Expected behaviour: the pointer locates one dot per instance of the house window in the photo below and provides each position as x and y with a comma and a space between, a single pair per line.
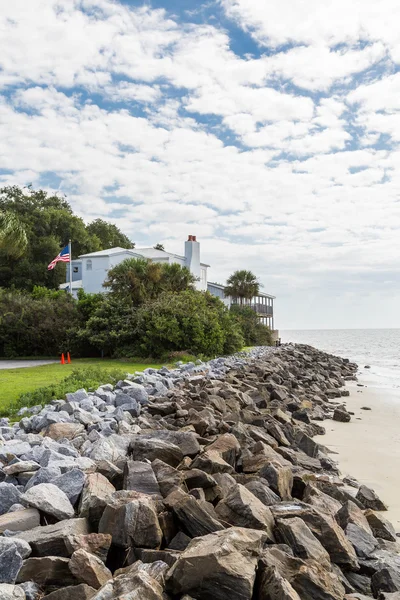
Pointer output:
203, 276
88, 265
75, 269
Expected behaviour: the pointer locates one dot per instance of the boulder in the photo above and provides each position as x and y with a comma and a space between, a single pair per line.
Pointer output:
152, 448
196, 517
46, 571
49, 499
11, 592
385, 580
95, 495
363, 542
369, 499
381, 527
272, 586
21, 520
242, 509
58, 431
131, 519
9, 495
211, 462
227, 447
295, 533
75, 592
350, 513
280, 479
23, 466
139, 477
220, 565
21, 545
10, 564
95, 543
341, 414
89, 569
167, 477
52, 540
263, 492
71, 483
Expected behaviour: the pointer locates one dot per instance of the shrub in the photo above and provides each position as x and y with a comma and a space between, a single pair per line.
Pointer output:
190, 321
254, 332
88, 378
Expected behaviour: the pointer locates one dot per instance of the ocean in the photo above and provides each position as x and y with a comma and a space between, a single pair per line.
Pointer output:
378, 348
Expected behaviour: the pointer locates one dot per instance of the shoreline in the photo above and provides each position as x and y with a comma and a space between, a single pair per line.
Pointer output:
368, 448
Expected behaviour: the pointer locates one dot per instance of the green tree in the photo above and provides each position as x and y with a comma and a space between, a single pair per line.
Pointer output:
13, 239
243, 285
192, 321
109, 235
254, 332
48, 222
140, 279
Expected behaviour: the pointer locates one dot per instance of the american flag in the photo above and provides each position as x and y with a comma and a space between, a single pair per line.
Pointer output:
62, 257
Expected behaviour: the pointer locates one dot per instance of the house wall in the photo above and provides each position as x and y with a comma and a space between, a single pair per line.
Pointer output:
93, 279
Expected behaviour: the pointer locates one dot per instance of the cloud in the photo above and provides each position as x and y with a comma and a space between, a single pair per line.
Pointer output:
281, 154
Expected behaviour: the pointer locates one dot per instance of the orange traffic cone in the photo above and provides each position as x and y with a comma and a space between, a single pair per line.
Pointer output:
62, 359
68, 358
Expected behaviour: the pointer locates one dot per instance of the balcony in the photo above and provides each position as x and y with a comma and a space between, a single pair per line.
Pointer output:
258, 307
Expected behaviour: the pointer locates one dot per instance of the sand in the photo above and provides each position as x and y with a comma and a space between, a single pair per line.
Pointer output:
368, 448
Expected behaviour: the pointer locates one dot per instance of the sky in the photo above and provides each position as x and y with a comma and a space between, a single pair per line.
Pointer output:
267, 128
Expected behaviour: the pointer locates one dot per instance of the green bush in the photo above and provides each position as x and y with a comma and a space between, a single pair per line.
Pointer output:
254, 332
89, 378
192, 321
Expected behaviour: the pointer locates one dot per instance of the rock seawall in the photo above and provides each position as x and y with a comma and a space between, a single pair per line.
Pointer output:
200, 483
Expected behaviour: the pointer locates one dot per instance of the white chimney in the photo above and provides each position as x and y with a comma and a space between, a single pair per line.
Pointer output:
192, 258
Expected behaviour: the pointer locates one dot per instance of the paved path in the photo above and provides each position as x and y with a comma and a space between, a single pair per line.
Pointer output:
19, 364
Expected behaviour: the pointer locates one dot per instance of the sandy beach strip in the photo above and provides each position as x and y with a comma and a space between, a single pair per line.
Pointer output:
368, 448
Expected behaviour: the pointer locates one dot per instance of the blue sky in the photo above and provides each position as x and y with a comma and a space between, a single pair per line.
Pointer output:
269, 133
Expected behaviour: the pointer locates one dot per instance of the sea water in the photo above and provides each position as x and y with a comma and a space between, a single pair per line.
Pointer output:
377, 348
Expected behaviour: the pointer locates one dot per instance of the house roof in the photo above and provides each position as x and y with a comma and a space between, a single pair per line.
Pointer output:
222, 287
150, 253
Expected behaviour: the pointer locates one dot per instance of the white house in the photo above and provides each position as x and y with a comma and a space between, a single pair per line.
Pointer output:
89, 272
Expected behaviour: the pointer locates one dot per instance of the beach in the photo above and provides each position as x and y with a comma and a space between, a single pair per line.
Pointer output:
368, 448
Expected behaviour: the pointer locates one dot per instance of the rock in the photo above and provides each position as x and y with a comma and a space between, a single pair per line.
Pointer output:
272, 586
21, 520
71, 483
49, 499
186, 441
385, 580
21, 545
43, 475
49, 570
227, 447
369, 499
242, 509
11, 592
9, 495
193, 515
31, 589
152, 448
341, 414
53, 540
211, 462
381, 527
167, 477
363, 542
95, 495
76, 592
220, 565
23, 466
95, 543
58, 431
131, 519
89, 569
279, 478
139, 477
350, 513
262, 491
141, 582
295, 533
10, 564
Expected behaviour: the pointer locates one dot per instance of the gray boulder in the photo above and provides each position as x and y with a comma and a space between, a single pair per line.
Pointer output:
71, 483
9, 495
49, 499
10, 564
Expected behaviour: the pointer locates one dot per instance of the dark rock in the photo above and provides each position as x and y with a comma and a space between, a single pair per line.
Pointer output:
10, 564
341, 414
385, 580
381, 527
193, 515
152, 448
76, 592
71, 483
139, 477
263, 492
52, 540
9, 495
49, 570
295, 533
369, 499
363, 542
218, 565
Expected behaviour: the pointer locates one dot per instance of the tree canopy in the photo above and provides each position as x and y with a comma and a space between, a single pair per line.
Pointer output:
13, 239
109, 235
243, 285
48, 222
139, 279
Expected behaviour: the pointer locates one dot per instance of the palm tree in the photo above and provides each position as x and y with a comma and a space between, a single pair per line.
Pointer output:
136, 278
243, 285
176, 278
13, 238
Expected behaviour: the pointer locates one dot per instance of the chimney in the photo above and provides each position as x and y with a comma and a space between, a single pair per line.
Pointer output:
192, 257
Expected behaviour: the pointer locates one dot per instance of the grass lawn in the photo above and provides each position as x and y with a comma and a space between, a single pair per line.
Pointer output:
14, 382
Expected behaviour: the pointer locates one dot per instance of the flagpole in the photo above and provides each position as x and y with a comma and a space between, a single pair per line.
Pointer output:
70, 267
